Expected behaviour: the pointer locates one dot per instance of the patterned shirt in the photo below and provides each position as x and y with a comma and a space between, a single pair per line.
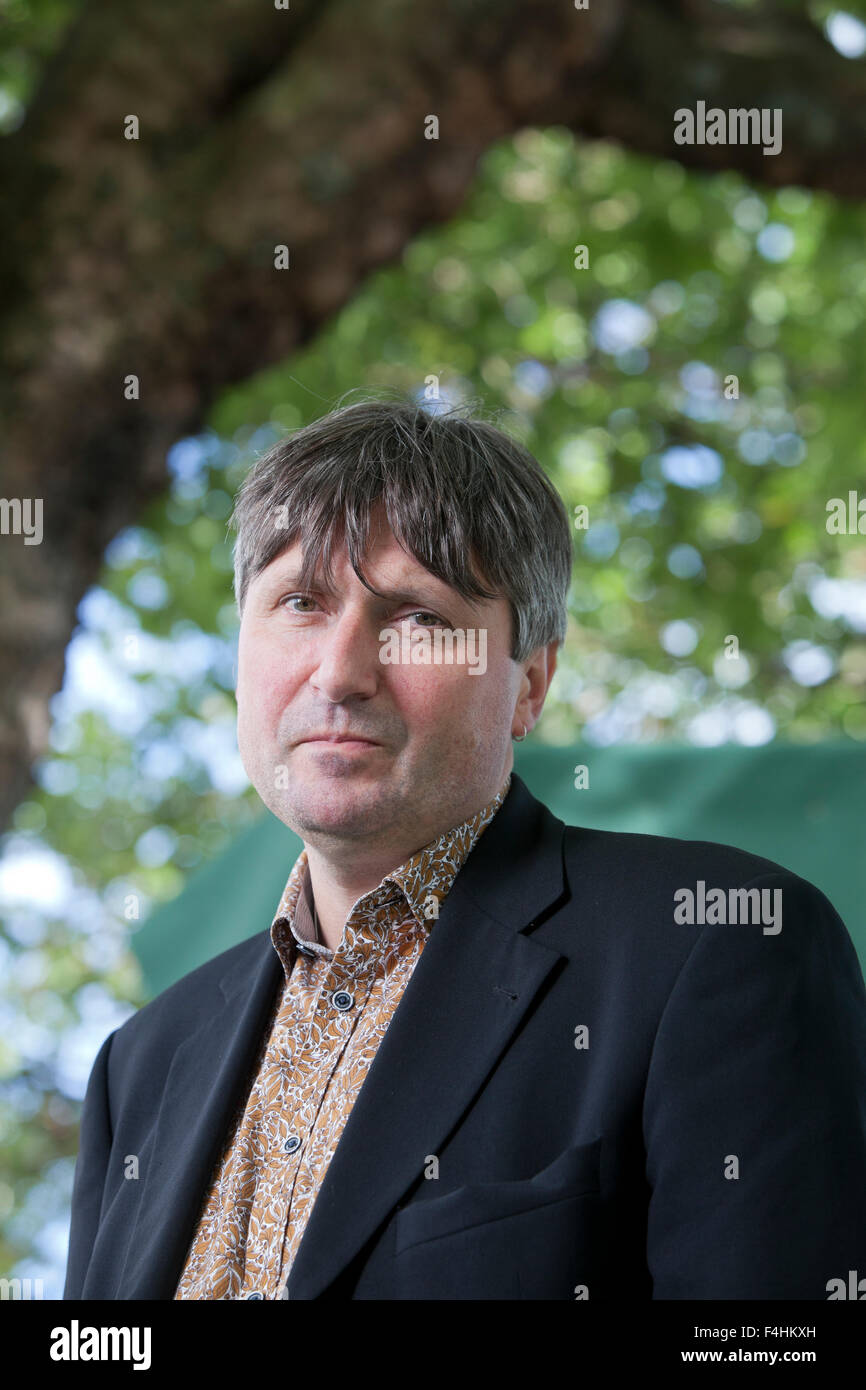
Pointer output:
331, 1013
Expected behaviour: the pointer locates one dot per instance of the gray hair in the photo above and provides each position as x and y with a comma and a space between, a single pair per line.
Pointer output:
452, 488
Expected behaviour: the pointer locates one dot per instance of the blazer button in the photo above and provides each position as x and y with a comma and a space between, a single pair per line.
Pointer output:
342, 1000
254, 1295
292, 1143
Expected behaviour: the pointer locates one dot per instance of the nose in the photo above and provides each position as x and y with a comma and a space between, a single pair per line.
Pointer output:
348, 658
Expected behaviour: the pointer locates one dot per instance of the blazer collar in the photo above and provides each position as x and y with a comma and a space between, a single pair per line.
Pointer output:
474, 981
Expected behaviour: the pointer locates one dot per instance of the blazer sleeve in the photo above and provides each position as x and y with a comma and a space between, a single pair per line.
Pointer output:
90, 1169
755, 1110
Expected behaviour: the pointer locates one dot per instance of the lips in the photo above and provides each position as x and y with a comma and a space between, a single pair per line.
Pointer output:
338, 738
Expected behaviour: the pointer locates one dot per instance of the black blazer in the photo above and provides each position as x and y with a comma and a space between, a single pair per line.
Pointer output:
708, 1141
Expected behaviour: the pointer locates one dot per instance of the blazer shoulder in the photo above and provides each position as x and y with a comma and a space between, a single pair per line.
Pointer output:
630, 880
643, 857
640, 872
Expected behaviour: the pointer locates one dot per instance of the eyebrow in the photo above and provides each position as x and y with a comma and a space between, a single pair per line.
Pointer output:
289, 578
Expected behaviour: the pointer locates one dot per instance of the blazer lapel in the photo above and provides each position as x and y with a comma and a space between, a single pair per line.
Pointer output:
472, 985
200, 1093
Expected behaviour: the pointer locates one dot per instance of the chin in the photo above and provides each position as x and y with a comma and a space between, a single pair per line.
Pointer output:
326, 804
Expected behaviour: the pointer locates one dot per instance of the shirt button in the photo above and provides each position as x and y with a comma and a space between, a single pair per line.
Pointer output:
292, 1143
342, 1000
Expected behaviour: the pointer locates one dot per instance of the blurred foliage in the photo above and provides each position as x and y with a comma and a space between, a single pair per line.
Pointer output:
30, 32
707, 520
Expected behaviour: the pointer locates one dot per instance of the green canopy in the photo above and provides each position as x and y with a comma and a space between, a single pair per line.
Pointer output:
800, 805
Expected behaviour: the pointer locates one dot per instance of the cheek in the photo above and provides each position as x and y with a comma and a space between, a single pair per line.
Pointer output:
444, 695
263, 683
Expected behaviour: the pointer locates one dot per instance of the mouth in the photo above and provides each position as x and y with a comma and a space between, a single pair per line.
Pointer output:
341, 741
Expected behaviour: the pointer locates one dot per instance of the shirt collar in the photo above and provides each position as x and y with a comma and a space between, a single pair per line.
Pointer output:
421, 884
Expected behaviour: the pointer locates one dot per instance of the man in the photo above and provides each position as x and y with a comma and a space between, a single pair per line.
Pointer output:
477, 1054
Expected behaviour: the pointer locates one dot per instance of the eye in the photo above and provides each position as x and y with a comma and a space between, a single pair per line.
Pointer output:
422, 613
288, 599
292, 598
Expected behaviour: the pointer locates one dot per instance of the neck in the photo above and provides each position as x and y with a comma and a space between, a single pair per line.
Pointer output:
335, 892
338, 878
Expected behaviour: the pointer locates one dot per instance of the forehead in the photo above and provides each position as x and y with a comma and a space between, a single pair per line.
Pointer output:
382, 552
384, 555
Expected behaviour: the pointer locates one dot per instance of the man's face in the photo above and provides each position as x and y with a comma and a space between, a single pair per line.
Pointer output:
309, 664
